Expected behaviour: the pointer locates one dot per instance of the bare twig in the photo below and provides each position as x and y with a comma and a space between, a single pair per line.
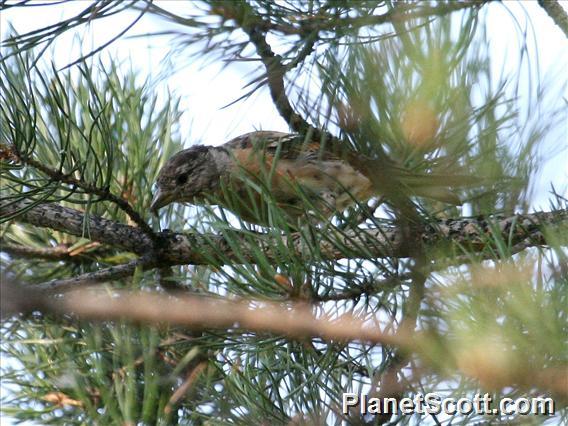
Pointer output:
357, 292
557, 13
294, 320
61, 252
91, 278
275, 71
86, 253
187, 384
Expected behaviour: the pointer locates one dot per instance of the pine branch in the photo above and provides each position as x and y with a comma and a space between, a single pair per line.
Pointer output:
450, 327
103, 194
390, 383
61, 252
91, 278
359, 291
557, 13
398, 13
294, 320
70, 221
275, 71
192, 248
318, 21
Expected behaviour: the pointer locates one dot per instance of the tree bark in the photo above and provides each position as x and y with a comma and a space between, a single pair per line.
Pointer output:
174, 248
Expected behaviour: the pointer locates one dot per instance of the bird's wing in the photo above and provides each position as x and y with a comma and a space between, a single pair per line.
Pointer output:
287, 146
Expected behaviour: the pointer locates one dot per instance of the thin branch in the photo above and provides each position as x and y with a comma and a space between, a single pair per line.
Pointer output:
318, 22
363, 290
212, 249
294, 320
275, 71
401, 12
191, 378
71, 221
104, 194
91, 278
61, 252
557, 13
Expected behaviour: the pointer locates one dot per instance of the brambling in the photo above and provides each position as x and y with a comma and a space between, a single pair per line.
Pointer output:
300, 175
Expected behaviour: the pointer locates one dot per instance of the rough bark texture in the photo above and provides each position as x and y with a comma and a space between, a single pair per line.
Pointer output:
175, 248
557, 13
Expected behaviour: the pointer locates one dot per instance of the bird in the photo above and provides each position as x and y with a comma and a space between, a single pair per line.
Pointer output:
301, 178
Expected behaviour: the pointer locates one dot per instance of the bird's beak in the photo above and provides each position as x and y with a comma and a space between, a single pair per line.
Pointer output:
160, 200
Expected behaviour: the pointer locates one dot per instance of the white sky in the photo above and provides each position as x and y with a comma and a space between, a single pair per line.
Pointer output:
204, 90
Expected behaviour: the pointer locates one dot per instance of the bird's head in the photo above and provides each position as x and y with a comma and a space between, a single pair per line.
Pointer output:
185, 177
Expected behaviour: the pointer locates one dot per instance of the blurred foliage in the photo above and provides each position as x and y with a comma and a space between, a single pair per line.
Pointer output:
412, 90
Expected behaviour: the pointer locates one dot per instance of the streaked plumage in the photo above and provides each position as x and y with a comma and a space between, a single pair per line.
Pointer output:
293, 169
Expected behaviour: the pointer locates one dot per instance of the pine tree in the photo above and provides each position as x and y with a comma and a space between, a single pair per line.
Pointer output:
111, 315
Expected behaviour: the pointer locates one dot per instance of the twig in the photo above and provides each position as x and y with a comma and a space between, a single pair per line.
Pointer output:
90, 278
402, 12
71, 221
557, 13
294, 320
61, 252
357, 292
275, 72
187, 384
309, 46
318, 22
104, 194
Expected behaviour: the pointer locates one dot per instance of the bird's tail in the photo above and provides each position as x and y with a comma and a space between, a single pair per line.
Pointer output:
439, 187
394, 181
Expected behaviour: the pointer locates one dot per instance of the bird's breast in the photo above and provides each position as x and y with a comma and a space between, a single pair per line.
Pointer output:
333, 179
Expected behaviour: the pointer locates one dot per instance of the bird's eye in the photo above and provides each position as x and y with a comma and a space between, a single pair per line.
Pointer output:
181, 179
